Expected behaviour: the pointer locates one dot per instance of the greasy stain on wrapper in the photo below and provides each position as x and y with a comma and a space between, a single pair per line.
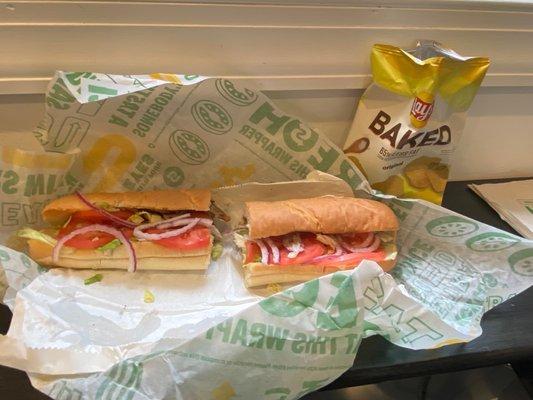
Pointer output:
233, 175
104, 150
223, 392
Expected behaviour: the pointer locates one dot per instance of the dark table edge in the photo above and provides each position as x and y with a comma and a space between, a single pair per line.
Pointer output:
353, 378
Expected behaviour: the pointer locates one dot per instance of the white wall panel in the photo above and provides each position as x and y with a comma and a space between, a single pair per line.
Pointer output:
311, 56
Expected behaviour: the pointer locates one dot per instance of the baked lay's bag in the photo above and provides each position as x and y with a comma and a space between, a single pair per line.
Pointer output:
410, 119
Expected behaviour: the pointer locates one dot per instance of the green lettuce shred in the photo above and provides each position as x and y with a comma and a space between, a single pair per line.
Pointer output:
142, 216
216, 251
136, 219
29, 233
112, 245
93, 279
148, 296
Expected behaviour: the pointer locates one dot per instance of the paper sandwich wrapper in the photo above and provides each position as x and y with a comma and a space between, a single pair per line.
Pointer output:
513, 201
206, 336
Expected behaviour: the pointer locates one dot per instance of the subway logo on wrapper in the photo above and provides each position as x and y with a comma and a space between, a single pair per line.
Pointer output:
409, 120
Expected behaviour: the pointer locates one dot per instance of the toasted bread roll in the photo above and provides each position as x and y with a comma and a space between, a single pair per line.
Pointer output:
59, 210
327, 214
150, 256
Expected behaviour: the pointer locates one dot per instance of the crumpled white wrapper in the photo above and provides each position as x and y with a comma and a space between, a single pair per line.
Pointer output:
205, 336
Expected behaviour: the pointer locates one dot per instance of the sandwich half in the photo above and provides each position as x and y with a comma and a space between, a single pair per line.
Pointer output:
302, 239
153, 230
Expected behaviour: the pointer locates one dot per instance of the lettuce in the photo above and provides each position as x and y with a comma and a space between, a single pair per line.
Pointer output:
142, 216
29, 233
216, 251
112, 245
93, 279
136, 219
148, 296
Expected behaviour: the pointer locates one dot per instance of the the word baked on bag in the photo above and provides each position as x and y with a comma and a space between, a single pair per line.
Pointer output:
409, 121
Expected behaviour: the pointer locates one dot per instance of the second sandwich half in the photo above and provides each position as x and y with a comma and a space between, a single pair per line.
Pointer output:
302, 239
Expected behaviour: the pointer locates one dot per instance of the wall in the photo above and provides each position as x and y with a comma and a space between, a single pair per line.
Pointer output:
311, 57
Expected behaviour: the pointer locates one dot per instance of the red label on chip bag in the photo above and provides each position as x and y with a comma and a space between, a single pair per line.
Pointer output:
421, 110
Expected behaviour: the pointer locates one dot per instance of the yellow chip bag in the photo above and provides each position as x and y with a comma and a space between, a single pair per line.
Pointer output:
409, 120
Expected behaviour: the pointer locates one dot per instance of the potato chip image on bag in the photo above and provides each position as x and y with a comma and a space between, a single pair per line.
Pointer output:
427, 172
410, 119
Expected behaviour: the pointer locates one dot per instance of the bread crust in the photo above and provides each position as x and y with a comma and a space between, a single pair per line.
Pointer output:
258, 274
150, 256
327, 214
57, 211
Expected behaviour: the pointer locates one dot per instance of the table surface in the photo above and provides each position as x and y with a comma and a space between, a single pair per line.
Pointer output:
507, 331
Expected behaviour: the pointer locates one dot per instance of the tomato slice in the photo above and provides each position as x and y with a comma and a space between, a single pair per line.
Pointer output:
196, 238
313, 249
90, 240
352, 259
252, 252
94, 217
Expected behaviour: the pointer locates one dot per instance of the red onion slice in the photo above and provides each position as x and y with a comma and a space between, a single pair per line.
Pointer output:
180, 220
264, 251
368, 240
165, 222
188, 222
359, 248
339, 252
98, 228
274, 249
106, 214
374, 246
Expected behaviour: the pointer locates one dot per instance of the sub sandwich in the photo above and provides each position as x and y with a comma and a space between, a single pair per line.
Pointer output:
302, 239
153, 230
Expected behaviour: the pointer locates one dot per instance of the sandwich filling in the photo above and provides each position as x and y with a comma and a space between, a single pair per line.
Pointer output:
104, 228
305, 248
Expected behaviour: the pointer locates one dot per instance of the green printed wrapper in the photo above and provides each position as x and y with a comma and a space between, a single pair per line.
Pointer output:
205, 336
141, 132
29, 179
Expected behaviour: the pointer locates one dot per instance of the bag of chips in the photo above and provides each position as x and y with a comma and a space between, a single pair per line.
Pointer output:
410, 119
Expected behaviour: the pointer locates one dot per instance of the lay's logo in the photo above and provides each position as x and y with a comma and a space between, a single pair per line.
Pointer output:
421, 111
